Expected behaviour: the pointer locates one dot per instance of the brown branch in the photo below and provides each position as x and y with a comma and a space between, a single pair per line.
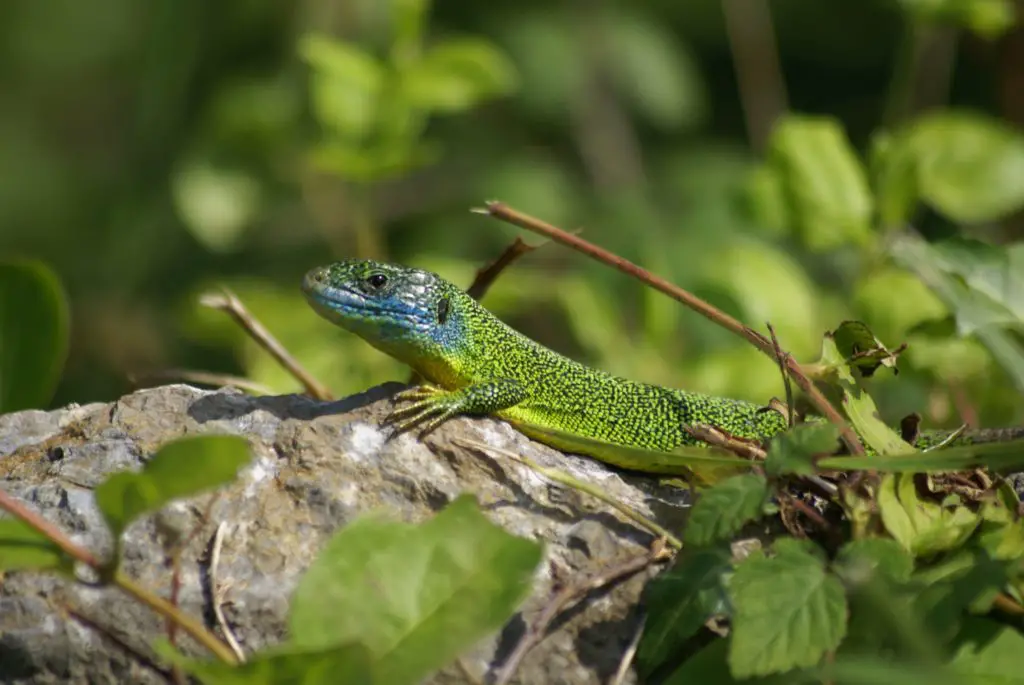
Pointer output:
780, 356
570, 595
716, 437
49, 531
486, 276
229, 303
503, 212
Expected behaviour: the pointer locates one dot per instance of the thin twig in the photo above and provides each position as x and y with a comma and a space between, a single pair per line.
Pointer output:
217, 380
229, 303
48, 530
569, 595
503, 212
158, 604
568, 481
780, 356
172, 627
628, 656
486, 276
216, 593
716, 437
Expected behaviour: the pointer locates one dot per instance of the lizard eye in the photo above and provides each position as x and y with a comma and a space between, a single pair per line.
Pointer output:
377, 280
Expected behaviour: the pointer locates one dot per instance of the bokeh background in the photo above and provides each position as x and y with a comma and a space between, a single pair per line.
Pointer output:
154, 151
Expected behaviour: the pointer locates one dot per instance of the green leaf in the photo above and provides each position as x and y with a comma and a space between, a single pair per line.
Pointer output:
895, 301
788, 612
825, 183
874, 555
180, 468
987, 18
967, 166
459, 73
921, 526
415, 595
861, 349
23, 547
875, 670
995, 272
795, 451
345, 665
725, 508
346, 85
858, 404
967, 580
989, 652
680, 600
996, 456
916, 255
33, 334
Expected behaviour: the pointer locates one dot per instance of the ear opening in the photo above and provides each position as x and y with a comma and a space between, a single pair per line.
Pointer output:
442, 310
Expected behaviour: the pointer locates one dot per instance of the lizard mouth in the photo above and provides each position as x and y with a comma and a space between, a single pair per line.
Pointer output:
344, 304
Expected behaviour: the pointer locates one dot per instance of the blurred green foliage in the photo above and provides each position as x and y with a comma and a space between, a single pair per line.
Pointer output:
152, 151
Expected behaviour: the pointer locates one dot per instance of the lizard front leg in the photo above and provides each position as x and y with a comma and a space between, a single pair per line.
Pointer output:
432, 406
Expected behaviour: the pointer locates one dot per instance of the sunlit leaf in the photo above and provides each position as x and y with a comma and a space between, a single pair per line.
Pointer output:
346, 85
923, 527
788, 612
33, 334
458, 73
997, 456
725, 508
989, 652
415, 595
180, 468
795, 451
823, 180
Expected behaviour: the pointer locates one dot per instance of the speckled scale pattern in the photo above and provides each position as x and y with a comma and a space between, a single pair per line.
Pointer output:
468, 346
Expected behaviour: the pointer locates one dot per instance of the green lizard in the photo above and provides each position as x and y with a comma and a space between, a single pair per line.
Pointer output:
477, 364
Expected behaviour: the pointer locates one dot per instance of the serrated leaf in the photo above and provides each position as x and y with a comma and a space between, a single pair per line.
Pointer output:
23, 547
180, 468
875, 555
823, 180
989, 652
345, 665
33, 334
787, 613
922, 527
458, 73
996, 456
680, 600
415, 595
725, 508
858, 404
795, 451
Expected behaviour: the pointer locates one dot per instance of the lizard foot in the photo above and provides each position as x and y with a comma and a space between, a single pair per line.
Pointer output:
431, 407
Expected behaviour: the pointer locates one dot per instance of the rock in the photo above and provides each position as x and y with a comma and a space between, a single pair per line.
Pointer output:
316, 466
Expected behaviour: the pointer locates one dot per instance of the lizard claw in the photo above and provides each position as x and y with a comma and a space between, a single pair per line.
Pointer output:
431, 408
419, 392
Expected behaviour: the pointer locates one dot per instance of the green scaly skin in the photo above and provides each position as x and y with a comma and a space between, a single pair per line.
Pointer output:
478, 365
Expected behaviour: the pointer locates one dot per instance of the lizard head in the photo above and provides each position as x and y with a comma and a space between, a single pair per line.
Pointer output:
408, 313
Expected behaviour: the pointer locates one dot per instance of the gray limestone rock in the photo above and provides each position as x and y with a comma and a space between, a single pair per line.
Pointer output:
316, 466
